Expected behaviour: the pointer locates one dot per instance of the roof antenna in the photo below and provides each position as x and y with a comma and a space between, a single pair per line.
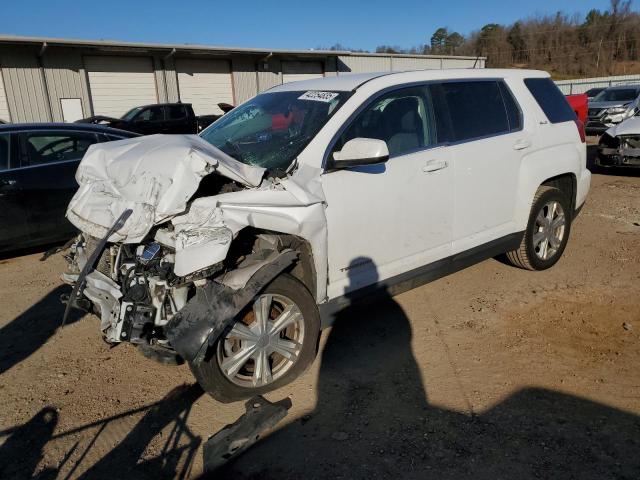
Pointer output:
476, 61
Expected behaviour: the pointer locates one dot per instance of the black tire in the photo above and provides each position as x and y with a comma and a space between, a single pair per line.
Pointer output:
525, 255
210, 376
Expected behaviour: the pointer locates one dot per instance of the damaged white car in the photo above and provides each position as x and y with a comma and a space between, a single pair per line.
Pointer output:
620, 145
232, 249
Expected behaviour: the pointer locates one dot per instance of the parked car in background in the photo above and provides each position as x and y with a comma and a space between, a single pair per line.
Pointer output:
312, 195
610, 107
168, 118
592, 92
580, 105
37, 178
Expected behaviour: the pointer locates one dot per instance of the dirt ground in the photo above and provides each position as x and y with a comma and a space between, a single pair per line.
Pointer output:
493, 372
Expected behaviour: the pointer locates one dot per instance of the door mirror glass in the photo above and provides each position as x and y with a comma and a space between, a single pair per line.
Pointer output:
361, 151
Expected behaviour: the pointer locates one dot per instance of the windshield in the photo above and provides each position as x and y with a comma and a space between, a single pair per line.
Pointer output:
617, 95
273, 128
131, 113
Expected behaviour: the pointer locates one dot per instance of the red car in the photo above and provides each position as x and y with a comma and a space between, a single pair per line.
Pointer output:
580, 105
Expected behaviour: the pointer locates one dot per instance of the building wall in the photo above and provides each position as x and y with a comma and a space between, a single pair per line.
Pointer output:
4, 108
362, 64
408, 63
36, 79
65, 77
24, 85
171, 79
269, 74
245, 79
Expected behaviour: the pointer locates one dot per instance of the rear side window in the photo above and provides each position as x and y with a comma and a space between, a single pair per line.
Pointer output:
48, 147
5, 144
176, 112
151, 114
551, 100
467, 110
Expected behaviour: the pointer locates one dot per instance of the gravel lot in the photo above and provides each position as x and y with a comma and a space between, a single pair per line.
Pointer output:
492, 372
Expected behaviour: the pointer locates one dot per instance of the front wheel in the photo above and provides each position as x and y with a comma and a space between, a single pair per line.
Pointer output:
547, 231
271, 343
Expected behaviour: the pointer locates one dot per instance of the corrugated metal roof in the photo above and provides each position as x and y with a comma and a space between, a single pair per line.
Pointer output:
114, 45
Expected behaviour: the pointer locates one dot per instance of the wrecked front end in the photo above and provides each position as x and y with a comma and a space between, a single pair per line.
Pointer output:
620, 146
139, 298
173, 274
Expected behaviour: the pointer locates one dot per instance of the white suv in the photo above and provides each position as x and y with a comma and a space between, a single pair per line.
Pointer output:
232, 249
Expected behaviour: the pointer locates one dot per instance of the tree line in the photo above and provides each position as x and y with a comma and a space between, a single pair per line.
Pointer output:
602, 43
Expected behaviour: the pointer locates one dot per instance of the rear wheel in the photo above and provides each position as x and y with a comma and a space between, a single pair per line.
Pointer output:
547, 231
271, 343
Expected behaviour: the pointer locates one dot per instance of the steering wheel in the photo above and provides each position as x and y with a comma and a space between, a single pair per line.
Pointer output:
59, 153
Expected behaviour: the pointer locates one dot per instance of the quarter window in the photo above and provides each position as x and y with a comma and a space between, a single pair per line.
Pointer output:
551, 100
468, 110
401, 118
47, 147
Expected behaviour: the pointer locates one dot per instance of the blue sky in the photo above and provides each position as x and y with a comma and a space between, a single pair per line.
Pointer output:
265, 24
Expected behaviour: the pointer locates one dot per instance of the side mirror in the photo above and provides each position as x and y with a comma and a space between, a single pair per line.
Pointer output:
361, 151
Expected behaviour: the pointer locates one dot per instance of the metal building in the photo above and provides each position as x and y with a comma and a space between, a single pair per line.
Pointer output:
47, 79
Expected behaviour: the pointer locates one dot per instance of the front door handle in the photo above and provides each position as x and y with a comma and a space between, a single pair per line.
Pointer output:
434, 165
521, 144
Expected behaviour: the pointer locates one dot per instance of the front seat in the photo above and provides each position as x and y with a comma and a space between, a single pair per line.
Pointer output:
403, 126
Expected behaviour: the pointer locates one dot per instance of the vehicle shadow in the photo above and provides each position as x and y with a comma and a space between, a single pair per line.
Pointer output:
23, 251
23, 449
26, 333
373, 420
176, 456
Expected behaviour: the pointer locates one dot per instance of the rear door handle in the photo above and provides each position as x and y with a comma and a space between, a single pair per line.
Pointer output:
521, 144
435, 165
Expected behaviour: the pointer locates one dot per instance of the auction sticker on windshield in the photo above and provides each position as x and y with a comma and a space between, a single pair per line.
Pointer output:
318, 96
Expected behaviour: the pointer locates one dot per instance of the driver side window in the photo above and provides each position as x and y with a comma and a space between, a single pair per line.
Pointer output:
402, 118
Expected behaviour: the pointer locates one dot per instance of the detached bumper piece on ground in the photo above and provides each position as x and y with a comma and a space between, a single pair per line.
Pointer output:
260, 416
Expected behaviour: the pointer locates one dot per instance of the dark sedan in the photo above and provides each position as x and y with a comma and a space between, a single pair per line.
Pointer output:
38, 163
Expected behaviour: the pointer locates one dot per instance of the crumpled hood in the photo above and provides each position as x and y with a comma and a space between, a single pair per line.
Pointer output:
631, 126
154, 176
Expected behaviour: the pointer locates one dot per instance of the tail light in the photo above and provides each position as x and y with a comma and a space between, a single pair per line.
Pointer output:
580, 126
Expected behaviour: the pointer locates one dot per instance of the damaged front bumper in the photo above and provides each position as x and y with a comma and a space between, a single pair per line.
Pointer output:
619, 151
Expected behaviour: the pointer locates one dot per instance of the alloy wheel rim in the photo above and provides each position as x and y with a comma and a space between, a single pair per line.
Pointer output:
549, 230
264, 344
